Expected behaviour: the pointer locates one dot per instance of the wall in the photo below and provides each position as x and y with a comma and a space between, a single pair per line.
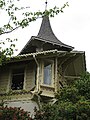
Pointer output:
26, 105
4, 79
30, 76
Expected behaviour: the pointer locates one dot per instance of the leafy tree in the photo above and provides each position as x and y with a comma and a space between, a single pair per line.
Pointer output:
19, 17
73, 103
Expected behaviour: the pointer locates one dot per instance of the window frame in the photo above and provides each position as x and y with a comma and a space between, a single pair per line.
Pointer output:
52, 72
17, 68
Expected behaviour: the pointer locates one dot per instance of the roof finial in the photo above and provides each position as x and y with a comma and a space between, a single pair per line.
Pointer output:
46, 5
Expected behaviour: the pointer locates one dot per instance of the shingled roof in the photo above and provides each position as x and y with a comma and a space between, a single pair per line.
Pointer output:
46, 35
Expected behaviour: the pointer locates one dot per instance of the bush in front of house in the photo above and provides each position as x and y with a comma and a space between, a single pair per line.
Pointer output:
10, 113
73, 102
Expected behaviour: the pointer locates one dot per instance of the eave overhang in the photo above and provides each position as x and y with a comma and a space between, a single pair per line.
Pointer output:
49, 53
52, 42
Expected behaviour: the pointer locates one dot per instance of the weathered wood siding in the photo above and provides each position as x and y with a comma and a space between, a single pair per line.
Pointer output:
4, 80
30, 76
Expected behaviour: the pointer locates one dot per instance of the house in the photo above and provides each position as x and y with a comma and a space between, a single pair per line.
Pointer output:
43, 66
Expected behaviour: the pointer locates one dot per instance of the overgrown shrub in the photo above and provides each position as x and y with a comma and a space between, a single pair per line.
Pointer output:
73, 103
10, 113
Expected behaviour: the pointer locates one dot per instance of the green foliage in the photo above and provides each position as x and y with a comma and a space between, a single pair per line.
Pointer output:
48, 112
68, 93
27, 16
6, 53
83, 110
9, 113
83, 86
65, 111
2, 3
73, 103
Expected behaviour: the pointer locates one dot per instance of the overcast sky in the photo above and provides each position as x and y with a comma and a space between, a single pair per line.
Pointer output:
71, 27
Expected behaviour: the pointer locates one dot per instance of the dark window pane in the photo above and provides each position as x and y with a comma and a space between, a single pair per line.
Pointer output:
17, 79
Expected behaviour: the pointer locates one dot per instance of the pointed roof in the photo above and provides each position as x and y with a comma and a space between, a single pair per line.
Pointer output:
46, 35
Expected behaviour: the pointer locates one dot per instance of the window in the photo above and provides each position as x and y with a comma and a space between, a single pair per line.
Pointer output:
17, 79
47, 73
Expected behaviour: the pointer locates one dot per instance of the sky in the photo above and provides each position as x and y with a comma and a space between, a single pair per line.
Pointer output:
71, 27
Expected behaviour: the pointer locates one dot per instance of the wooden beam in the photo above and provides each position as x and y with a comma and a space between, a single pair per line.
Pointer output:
56, 62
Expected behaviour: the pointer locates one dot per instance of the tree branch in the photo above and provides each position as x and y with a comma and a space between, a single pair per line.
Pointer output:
10, 30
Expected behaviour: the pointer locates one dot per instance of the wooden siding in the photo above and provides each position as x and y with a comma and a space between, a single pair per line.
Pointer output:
30, 76
4, 79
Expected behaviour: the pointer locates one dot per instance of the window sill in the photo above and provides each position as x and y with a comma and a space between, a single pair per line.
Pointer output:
47, 90
47, 87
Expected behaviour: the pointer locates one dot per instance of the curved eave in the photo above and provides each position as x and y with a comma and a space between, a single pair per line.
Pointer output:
46, 35
46, 41
54, 43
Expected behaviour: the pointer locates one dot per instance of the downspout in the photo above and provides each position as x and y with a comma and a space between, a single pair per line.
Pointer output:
37, 83
37, 80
